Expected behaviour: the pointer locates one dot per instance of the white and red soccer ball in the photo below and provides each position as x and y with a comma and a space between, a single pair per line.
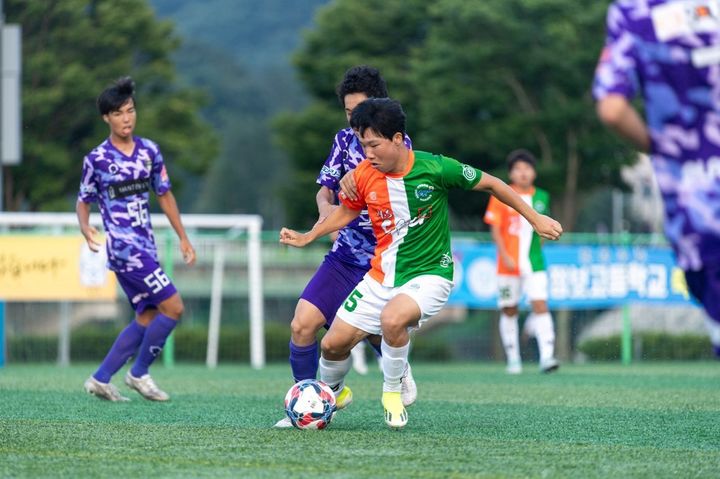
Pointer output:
310, 404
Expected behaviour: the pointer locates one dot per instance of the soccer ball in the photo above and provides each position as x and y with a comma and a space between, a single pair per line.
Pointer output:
310, 404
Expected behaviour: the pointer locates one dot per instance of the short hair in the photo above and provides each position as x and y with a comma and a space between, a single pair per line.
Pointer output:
115, 96
362, 79
520, 155
382, 115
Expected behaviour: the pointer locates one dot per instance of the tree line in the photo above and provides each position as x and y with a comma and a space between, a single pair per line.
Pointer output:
477, 80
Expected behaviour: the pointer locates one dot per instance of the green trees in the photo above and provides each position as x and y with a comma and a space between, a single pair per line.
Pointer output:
477, 80
71, 51
375, 32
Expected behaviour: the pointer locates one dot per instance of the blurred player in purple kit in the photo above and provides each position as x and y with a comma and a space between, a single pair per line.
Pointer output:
118, 175
669, 53
349, 258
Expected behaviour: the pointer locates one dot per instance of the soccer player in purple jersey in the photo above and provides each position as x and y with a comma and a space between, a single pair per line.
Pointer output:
349, 258
669, 53
118, 175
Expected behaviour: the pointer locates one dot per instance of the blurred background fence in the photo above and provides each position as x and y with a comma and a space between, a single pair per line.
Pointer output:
614, 297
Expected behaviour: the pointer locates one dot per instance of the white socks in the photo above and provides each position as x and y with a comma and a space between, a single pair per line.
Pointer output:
510, 338
333, 373
393, 365
542, 324
539, 326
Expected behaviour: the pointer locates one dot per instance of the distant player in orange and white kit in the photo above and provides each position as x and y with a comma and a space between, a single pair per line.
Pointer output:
521, 266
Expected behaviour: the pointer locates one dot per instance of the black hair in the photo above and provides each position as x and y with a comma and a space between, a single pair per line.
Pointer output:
362, 79
115, 96
382, 115
520, 155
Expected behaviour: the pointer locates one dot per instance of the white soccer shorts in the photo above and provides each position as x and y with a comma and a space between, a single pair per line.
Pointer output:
511, 288
363, 306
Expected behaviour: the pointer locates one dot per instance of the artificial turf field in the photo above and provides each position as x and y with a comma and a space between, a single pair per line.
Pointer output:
471, 420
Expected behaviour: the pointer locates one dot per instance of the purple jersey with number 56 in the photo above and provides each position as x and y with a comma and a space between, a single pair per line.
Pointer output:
121, 185
355, 243
669, 52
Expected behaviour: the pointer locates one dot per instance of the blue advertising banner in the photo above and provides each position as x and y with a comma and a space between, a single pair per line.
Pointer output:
580, 276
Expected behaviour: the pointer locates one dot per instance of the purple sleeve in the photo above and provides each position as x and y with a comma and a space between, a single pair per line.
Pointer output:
160, 179
88, 185
616, 70
332, 170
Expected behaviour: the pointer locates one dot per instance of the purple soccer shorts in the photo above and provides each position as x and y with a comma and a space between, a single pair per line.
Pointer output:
146, 287
331, 284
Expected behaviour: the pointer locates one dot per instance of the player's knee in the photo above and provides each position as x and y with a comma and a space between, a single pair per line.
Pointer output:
510, 310
332, 349
304, 326
302, 329
173, 309
392, 324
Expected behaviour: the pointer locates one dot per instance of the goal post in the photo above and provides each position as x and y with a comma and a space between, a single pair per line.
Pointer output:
233, 226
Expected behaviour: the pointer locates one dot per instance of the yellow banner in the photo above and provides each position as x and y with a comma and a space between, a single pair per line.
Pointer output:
53, 268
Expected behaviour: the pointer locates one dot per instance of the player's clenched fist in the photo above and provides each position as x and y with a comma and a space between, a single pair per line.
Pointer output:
293, 238
548, 228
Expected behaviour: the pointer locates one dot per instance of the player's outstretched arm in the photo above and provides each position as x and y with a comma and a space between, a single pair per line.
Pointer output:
341, 216
89, 232
169, 206
544, 225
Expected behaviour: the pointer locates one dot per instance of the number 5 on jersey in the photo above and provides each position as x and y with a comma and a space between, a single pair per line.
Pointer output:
352, 301
157, 280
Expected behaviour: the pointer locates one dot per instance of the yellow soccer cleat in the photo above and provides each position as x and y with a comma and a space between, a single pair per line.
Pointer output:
395, 414
343, 399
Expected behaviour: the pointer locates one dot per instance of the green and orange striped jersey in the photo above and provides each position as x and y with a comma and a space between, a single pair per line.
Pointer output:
521, 242
409, 215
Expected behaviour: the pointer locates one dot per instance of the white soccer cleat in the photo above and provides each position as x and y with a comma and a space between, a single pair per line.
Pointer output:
514, 367
105, 391
549, 365
283, 423
408, 388
146, 387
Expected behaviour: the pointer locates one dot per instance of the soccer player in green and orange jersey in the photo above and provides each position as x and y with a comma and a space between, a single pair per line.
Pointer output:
410, 278
521, 266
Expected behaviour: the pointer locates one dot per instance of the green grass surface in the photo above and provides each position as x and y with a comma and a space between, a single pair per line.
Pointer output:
471, 420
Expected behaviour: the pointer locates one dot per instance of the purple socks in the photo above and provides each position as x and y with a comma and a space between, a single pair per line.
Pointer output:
152, 343
122, 349
304, 361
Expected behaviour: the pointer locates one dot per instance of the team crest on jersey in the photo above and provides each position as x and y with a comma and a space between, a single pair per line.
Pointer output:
113, 169
539, 206
469, 172
446, 260
424, 192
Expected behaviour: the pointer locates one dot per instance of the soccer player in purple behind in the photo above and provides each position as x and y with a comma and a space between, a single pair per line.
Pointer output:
669, 53
118, 175
349, 258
